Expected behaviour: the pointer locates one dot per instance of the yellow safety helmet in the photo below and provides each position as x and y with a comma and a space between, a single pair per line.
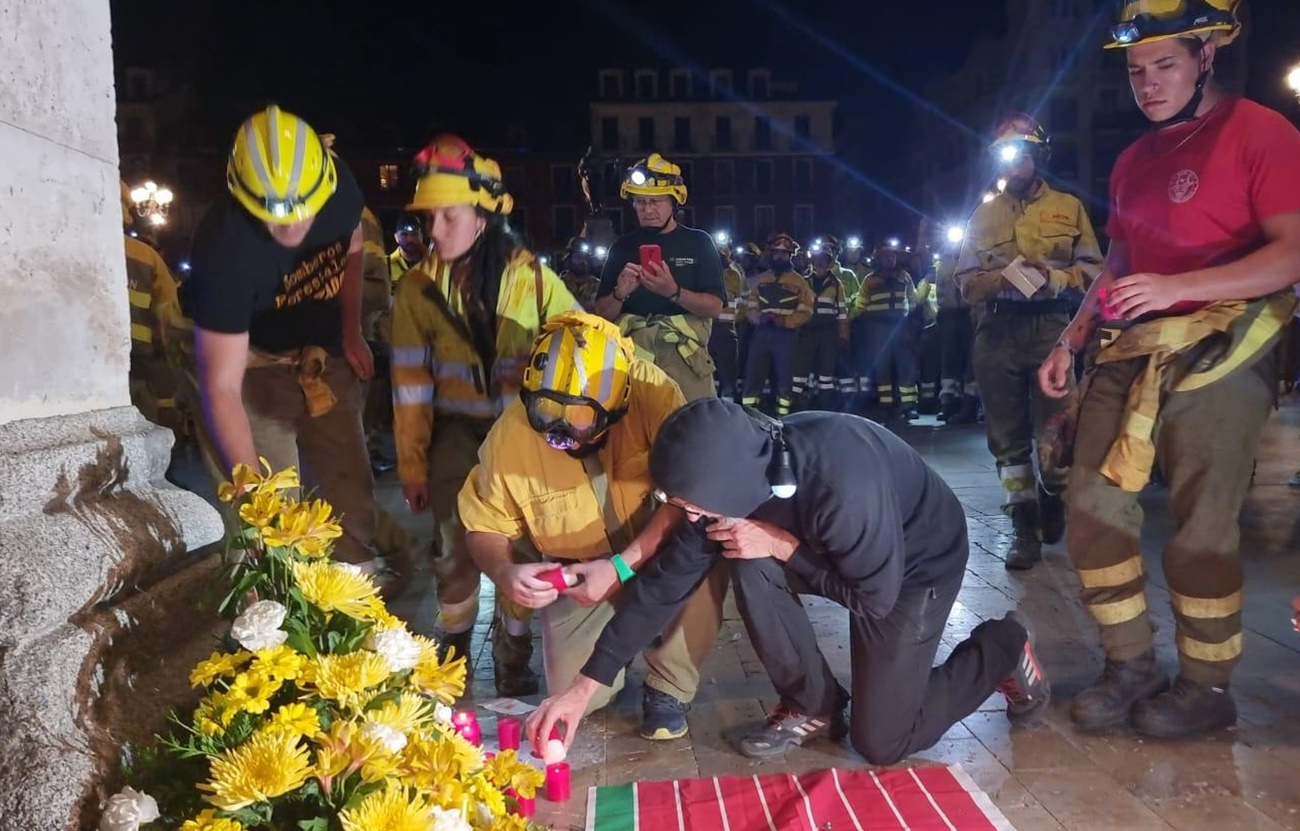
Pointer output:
279, 169
576, 383
654, 176
1145, 21
785, 241
451, 173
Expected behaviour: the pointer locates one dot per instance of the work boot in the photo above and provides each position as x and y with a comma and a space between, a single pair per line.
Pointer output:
1027, 689
969, 411
1026, 548
1111, 698
949, 406
511, 655
456, 644
1186, 710
1051, 514
663, 717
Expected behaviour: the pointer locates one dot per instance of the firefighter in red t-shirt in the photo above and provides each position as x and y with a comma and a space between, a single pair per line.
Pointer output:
1205, 244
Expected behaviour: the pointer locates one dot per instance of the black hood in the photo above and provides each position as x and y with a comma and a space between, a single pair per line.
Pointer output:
712, 454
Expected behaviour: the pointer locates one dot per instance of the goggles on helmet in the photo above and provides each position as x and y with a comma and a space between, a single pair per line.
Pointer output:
566, 420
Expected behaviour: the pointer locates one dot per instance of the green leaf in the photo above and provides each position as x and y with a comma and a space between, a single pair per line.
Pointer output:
314, 824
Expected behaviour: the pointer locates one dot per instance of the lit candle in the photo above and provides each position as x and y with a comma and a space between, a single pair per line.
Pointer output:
508, 733
554, 752
466, 724
557, 782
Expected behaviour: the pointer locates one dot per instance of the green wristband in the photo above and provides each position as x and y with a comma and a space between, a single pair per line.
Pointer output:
624, 570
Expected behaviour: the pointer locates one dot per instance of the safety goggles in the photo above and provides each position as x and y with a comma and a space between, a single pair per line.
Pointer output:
1147, 26
573, 416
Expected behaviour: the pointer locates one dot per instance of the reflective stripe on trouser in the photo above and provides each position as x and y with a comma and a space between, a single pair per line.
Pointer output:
453, 453
818, 349
929, 364
570, 632
722, 349
1206, 443
771, 355
1008, 352
887, 360
956, 338
328, 449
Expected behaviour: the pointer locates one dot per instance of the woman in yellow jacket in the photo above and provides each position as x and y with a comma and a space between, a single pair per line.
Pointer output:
463, 324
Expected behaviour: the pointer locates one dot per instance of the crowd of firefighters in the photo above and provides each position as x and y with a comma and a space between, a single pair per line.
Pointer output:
333, 342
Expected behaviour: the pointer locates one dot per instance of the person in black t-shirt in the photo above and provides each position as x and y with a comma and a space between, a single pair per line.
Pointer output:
666, 308
275, 296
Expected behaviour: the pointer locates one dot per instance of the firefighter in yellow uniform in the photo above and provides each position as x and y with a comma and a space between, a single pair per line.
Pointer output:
749, 260
580, 271
152, 295
463, 324
826, 333
724, 343
1051, 231
411, 248
565, 468
925, 335
885, 356
854, 269
778, 304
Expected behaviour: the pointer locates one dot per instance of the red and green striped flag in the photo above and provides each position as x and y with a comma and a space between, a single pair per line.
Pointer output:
900, 799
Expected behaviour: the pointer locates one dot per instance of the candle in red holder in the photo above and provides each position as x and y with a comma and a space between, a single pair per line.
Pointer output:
538, 752
557, 782
509, 730
466, 724
523, 807
557, 578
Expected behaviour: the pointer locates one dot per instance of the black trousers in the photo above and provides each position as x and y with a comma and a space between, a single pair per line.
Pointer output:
902, 703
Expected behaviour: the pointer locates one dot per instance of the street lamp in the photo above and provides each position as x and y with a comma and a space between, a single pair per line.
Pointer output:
1293, 80
152, 202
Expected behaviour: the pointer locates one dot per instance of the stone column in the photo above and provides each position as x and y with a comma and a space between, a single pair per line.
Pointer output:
93, 540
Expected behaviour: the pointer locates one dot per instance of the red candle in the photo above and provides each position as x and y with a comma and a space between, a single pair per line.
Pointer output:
466, 724
509, 730
555, 577
523, 807
557, 782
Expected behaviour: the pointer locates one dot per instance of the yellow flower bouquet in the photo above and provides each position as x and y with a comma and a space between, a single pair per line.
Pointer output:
320, 711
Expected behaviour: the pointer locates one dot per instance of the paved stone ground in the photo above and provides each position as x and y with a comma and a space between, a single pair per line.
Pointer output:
1046, 777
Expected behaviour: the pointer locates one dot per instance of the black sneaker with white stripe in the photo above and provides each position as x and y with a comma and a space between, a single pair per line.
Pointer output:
1027, 688
786, 729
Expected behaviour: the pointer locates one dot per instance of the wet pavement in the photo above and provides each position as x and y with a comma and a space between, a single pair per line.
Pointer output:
1045, 777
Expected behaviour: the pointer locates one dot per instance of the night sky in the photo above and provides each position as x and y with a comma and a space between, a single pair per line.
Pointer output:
383, 74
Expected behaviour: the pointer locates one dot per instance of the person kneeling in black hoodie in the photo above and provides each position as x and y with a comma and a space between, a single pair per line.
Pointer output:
774, 498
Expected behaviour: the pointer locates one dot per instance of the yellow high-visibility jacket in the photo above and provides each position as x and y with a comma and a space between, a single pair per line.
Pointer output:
829, 309
523, 487
152, 294
733, 279
435, 365
1050, 226
397, 266
884, 297
785, 298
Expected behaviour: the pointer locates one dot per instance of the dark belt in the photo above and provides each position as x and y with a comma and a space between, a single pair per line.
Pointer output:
1029, 308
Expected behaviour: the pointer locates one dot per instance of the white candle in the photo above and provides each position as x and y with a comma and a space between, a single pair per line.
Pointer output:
553, 753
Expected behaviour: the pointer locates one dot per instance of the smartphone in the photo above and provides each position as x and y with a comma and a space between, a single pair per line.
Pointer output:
651, 254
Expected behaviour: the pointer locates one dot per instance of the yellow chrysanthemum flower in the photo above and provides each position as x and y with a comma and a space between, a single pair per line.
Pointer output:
251, 691
345, 678
407, 714
218, 666
206, 718
262, 509
209, 821
308, 527
392, 809
487, 795
505, 770
377, 761
429, 761
332, 588
281, 663
509, 822
295, 719
444, 681
264, 767
381, 617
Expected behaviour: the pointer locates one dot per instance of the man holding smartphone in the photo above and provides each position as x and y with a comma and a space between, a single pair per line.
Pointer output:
662, 283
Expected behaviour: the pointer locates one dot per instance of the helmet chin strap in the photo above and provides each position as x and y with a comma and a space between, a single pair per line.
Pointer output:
1188, 112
